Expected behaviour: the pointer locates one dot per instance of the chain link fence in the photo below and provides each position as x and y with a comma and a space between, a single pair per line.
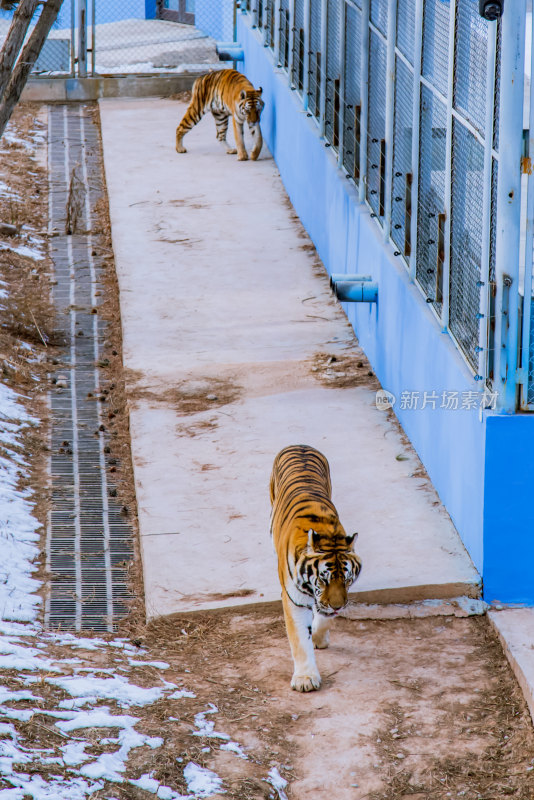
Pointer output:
120, 37
58, 54
434, 82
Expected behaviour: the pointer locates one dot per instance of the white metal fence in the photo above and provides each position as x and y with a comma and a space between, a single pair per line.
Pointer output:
406, 93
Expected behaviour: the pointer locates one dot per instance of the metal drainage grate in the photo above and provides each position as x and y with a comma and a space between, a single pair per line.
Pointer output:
88, 540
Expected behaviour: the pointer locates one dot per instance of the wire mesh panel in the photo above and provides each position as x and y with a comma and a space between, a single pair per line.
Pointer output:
436, 43
497, 101
406, 28
333, 77
402, 159
431, 200
470, 63
376, 126
268, 22
283, 47
59, 50
379, 15
129, 38
352, 98
299, 58
314, 59
466, 239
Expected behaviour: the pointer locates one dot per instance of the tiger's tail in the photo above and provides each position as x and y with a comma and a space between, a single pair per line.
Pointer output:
193, 114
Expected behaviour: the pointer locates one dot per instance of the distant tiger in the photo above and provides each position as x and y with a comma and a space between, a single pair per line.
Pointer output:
316, 560
226, 93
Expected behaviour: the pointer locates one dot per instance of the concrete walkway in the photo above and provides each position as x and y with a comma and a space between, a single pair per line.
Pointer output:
228, 328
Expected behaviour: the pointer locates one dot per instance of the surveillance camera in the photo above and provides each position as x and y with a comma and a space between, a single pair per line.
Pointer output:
491, 9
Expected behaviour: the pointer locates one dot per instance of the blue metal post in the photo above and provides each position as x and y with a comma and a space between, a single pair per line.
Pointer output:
509, 203
529, 242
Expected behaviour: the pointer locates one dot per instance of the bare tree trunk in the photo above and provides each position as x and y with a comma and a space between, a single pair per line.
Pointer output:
13, 42
27, 59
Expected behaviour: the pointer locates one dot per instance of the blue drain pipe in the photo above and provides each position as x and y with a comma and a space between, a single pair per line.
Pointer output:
352, 288
356, 291
230, 51
341, 276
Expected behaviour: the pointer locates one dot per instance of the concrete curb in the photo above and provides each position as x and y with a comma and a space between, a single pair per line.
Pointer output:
515, 629
62, 90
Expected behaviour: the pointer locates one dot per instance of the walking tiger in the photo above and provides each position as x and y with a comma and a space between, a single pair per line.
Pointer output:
316, 560
226, 93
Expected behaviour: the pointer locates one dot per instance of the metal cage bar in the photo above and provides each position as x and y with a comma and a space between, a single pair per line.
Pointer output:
509, 204
390, 111
482, 347
416, 121
364, 96
324, 45
445, 278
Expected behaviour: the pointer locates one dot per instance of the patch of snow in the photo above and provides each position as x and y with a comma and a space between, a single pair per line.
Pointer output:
206, 726
77, 702
98, 718
73, 753
118, 688
35, 786
277, 782
23, 250
234, 747
147, 783
202, 782
181, 693
157, 664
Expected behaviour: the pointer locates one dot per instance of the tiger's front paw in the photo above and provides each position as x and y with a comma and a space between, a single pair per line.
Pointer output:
242, 157
231, 151
254, 155
306, 683
180, 148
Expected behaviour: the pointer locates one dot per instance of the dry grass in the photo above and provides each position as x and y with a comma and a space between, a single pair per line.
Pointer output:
343, 371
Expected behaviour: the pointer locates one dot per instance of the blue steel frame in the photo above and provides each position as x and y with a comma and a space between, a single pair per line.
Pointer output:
507, 375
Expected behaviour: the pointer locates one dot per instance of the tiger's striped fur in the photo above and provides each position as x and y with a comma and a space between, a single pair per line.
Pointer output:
226, 93
316, 560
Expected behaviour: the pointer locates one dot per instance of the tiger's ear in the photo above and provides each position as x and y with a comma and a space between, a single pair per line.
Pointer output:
350, 539
242, 94
313, 539
260, 90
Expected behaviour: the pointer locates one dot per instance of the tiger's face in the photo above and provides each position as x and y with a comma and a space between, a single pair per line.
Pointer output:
251, 105
330, 567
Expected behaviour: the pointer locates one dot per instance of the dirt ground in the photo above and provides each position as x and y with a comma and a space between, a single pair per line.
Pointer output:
421, 709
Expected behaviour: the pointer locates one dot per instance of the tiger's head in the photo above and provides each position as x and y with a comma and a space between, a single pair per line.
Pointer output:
328, 568
250, 105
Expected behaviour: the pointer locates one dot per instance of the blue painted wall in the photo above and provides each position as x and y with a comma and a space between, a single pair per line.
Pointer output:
400, 335
509, 509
